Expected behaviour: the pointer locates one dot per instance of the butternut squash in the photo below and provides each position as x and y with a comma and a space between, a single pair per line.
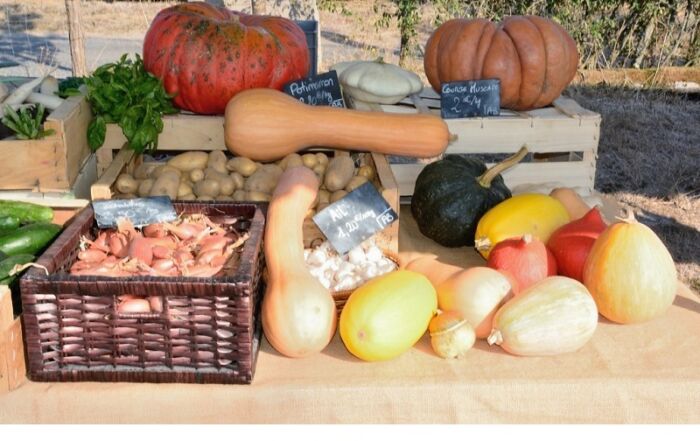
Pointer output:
267, 125
298, 314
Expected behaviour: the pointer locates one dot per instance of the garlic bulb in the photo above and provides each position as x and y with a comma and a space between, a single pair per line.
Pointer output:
344, 273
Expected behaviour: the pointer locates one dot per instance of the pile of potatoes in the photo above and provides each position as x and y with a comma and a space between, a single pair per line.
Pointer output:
212, 176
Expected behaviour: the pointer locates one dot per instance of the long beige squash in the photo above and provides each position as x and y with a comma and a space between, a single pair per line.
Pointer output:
298, 313
266, 125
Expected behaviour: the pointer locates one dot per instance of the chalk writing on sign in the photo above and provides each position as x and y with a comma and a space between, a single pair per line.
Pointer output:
319, 90
465, 99
353, 219
140, 211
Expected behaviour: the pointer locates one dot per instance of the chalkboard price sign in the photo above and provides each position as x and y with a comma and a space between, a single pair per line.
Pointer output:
140, 211
464, 99
355, 218
318, 90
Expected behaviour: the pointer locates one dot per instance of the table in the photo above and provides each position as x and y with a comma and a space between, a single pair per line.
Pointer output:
647, 373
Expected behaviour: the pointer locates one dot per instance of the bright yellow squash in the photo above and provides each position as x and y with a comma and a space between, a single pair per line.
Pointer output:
385, 317
529, 213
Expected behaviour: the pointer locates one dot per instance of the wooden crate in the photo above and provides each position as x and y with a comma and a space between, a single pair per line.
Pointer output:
64, 203
52, 163
563, 139
125, 161
12, 362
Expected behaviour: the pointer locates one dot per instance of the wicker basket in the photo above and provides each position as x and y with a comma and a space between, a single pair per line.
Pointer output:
209, 330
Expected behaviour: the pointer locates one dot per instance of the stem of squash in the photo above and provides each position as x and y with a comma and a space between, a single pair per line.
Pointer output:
629, 217
485, 179
495, 338
482, 243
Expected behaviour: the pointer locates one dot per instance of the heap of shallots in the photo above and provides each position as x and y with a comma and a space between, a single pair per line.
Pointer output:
192, 246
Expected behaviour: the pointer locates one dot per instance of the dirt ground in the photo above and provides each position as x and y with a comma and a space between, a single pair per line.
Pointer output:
649, 151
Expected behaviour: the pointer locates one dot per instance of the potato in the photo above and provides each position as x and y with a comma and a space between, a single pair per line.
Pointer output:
339, 172
321, 158
189, 161
188, 197
159, 170
366, 171
355, 182
273, 169
291, 160
324, 196
145, 169
309, 213
244, 166
226, 184
264, 180
126, 184
238, 180
320, 170
166, 184
205, 198
309, 160
207, 187
196, 175
257, 196
239, 195
123, 196
183, 189
337, 195
224, 198
145, 187
321, 206
217, 161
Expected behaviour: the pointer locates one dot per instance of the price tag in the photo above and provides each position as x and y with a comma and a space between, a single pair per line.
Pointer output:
140, 211
318, 90
353, 219
464, 99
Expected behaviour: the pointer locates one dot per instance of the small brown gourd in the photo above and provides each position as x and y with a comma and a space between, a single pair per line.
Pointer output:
298, 314
290, 126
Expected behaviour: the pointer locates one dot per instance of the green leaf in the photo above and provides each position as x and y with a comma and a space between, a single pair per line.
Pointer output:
97, 129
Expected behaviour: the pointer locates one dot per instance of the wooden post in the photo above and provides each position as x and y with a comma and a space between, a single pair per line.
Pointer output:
75, 36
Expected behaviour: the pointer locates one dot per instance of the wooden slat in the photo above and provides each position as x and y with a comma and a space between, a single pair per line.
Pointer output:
102, 189
390, 192
572, 108
572, 174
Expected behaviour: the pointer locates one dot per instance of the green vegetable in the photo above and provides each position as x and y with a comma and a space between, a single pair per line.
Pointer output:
24, 124
70, 86
126, 94
452, 194
26, 211
30, 239
8, 223
7, 264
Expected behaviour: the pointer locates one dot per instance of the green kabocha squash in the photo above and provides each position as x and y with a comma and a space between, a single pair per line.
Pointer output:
453, 193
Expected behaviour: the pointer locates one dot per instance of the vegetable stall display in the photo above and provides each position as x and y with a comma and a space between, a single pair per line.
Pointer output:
533, 57
205, 54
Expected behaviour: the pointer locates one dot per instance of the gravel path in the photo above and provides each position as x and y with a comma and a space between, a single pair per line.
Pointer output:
26, 50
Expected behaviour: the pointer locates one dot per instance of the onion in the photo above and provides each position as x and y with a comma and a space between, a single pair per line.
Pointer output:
450, 335
476, 293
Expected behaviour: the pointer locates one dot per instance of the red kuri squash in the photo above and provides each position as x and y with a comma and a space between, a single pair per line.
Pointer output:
205, 54
571, 243
526, 259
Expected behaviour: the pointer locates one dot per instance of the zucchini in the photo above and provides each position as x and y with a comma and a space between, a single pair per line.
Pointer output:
8, 223
26, 211
8, 263
29, 239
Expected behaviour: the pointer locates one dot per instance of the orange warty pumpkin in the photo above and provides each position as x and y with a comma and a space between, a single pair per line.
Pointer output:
533, 57
206, 54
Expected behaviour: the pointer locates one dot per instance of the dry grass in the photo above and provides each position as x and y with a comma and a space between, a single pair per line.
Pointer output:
99, 18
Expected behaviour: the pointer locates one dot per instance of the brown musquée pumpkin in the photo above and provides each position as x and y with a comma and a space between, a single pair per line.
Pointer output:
533, 57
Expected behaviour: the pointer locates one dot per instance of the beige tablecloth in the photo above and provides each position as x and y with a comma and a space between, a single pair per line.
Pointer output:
637, 373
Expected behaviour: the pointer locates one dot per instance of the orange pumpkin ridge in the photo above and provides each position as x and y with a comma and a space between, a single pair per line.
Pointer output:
533, 57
